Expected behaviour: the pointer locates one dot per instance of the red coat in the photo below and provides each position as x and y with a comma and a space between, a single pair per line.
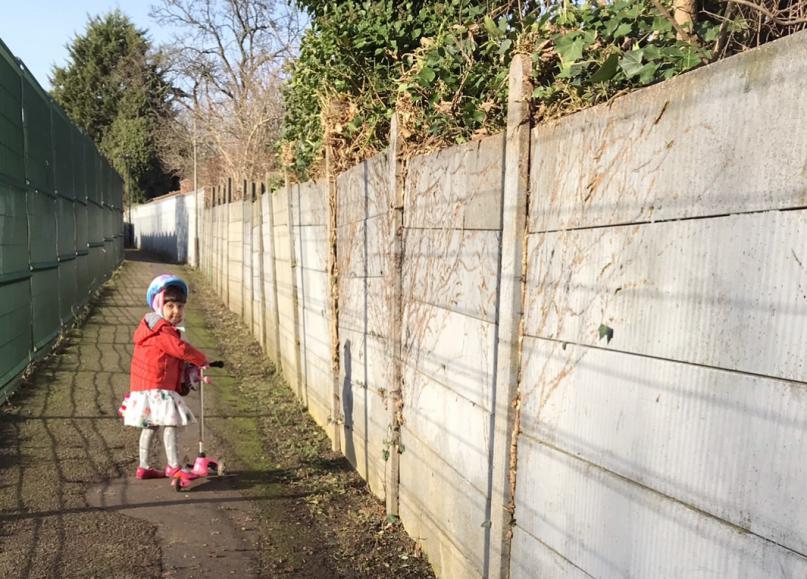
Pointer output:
159, 355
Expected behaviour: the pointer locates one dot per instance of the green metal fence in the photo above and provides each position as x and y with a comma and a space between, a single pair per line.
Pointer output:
61, 220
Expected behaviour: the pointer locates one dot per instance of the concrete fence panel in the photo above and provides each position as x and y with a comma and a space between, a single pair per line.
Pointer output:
310, 240
60, 223
663, 362
284, 263
452, 216
363, 239
567, 351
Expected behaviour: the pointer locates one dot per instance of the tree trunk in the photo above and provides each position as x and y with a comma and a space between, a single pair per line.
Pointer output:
684, 12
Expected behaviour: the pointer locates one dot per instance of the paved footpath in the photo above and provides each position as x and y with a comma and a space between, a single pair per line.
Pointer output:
69, 502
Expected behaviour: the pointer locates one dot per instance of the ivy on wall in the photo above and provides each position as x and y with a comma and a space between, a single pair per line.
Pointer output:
443, 66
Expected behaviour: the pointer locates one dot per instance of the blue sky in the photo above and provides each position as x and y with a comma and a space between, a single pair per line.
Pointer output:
37, 31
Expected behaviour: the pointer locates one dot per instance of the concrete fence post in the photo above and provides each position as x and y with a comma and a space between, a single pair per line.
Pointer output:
215, 262
226, 256
253, 249
261, 291
333, 288
511, 291
396, 190
242, 193
275, 314
295, 293
220, 243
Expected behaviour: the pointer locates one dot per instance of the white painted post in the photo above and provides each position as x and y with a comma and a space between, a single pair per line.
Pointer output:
514, 220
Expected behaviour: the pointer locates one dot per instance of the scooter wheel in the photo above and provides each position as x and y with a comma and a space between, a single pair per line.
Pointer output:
176, 483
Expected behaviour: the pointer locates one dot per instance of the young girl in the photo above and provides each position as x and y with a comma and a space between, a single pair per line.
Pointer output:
158, 364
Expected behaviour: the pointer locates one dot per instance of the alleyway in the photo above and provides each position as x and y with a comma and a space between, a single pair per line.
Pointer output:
70, 505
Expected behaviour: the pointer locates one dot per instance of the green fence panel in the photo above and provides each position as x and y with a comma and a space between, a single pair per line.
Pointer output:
66, 218
68, 290
117, 191
90, 172
102, 182
15, 329
98, 167
95, 224
95, 215
38, 141
43, 257
83, 277
42, 230
109, 257
62, 154
97, 264
109, 223
45, 306
82, 227
13, 233
77, 160
61, 232
12, 139
109, 185
82, 249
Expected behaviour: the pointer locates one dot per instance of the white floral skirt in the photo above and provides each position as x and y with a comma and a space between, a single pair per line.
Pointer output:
144, 408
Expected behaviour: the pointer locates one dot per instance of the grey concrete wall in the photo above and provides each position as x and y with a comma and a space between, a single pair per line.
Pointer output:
452, 217
164, 226
270, 267
256, 322
673, 220
285, 288
675, 447
247, 265
234, 257
363, 238
309, 231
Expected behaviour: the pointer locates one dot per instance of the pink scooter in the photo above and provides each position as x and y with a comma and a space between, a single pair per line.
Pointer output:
203, 466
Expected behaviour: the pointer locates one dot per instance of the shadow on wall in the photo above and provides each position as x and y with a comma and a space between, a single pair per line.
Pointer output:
162, 245
181, 231
128, 236
347, 403
170, 244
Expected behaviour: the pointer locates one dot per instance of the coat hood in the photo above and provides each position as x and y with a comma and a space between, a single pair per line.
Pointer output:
150, 326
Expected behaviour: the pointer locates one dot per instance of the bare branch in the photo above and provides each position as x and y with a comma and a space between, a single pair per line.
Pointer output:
773, 16
230, 55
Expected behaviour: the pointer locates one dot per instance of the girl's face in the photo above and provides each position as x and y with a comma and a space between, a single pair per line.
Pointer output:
173, 312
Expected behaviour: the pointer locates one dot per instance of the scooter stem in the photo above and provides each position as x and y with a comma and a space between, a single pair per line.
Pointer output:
202, 421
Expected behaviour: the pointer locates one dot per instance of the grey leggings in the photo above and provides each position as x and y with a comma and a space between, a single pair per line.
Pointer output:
169, 440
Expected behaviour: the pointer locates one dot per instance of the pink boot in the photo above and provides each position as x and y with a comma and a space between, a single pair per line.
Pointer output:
145, 473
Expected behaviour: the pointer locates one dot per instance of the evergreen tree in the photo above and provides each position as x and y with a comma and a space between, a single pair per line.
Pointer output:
114, 89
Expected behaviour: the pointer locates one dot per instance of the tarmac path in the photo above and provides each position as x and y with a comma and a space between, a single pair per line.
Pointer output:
70, 505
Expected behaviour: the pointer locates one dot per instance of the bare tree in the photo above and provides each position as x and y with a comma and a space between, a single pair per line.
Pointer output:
228, 58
